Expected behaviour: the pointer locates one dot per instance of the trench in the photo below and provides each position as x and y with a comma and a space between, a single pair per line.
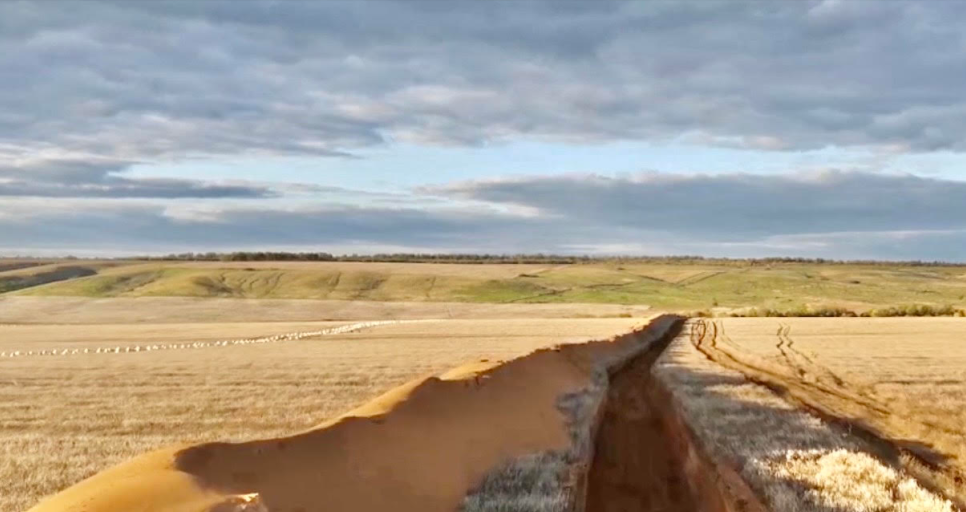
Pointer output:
646, 458
634, 468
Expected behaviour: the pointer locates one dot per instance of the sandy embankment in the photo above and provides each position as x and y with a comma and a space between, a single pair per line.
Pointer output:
421, 447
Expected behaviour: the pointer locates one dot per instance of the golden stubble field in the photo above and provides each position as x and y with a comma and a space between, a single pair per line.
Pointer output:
915, 364
63, 418
884, 394
149, 310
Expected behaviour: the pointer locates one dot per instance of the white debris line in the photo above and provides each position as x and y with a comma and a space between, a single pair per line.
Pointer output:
292, 336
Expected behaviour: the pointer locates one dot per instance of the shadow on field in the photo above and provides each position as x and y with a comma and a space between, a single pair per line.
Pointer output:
755, 438
642, 461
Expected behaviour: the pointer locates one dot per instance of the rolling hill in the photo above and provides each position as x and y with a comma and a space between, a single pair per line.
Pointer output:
779, 285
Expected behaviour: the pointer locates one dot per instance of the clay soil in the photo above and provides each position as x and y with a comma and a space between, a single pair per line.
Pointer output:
635, 468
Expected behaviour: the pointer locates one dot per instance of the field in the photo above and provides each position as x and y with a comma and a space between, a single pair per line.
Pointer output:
666, 286
115, 358
80, 310
63, 418
885, 397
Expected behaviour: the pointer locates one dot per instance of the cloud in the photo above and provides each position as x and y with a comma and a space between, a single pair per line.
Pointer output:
37, 177
134, 188
154, 227
830, 215
735, 206
152, 80
89, 91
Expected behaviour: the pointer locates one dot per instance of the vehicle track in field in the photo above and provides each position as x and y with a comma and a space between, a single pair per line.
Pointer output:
816, 389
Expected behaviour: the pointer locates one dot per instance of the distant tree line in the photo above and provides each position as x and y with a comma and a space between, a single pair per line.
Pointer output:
244, 256
387, 258
540, 258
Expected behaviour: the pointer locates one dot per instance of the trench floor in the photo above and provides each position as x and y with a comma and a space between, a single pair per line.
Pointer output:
635, 468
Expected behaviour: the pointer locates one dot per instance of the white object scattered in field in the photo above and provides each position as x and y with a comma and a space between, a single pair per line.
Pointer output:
223, 343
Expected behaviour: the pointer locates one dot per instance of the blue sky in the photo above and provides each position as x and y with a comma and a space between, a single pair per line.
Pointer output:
821, 128
401, 167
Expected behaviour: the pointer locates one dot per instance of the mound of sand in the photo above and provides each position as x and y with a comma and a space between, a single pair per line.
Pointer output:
421, 447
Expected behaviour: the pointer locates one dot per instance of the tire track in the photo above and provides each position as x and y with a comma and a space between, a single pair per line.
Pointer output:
808, 366
860, 415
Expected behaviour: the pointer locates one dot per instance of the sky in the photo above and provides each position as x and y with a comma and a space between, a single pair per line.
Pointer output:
833, 129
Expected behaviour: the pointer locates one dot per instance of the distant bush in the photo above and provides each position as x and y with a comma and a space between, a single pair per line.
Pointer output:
803, 311
915, 310
830, 312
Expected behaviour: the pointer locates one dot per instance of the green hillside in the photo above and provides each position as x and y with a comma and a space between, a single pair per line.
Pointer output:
21, 276
780, 285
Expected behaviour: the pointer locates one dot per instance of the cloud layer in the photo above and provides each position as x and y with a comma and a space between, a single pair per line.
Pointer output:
832, 215
149, 79
89, 90
737, 206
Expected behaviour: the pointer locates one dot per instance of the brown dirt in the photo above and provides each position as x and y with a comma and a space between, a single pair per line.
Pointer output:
646, 457
634, 468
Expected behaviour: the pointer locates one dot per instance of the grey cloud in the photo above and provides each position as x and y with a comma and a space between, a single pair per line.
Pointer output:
736, 207
89, 89
831, 215
134, 188
63, 171
103, 179
143, 80
939, 245
150, 228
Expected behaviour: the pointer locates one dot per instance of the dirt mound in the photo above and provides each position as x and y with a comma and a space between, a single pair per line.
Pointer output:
421, 447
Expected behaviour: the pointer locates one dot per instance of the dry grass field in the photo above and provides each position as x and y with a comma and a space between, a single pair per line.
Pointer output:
82, 310
885, 397
816, 414
908, 362
63, 418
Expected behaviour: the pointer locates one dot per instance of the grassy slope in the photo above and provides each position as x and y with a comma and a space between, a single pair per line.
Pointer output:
660, 285
19, 275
